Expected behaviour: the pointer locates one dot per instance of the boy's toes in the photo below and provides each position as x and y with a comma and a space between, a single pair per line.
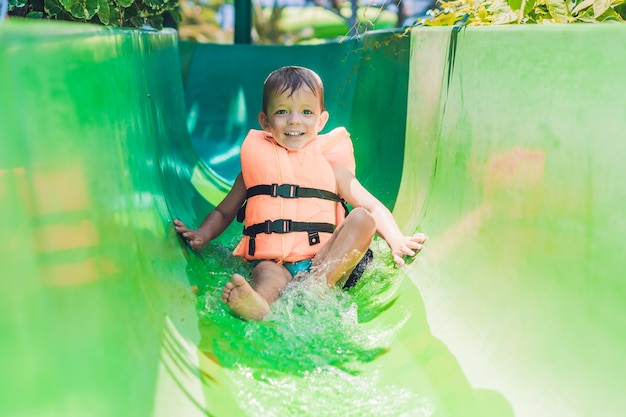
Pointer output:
226, 291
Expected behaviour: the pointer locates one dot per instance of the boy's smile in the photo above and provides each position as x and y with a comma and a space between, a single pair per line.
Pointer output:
294, 118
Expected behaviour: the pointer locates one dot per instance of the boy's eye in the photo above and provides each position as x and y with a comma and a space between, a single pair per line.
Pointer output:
281, 111
307, 112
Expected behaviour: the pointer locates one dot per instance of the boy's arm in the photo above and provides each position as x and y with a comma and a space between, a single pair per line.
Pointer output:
354, 193
217, 220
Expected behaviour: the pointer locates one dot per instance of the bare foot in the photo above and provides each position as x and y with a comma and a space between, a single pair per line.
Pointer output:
243, 300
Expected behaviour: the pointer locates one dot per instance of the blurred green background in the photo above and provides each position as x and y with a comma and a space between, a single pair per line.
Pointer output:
507, 155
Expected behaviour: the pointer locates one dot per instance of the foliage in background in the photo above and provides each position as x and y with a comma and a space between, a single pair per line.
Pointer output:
266, 26
499, 12
283, 22
212, 20
201, 21
208, 21
133, 13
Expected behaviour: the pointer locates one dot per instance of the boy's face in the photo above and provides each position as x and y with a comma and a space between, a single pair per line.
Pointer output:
293, 120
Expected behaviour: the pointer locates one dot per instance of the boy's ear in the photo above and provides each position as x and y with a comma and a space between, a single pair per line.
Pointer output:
322, 121
264, 121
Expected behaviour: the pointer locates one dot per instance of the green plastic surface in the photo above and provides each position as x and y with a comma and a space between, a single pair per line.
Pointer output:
508, 155
516, 172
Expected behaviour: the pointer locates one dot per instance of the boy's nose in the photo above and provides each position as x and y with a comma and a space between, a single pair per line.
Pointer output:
293, 118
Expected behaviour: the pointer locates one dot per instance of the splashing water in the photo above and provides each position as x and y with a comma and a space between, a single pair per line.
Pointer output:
328, 392
307, 357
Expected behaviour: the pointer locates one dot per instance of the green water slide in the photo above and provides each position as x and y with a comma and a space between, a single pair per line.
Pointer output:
504, 145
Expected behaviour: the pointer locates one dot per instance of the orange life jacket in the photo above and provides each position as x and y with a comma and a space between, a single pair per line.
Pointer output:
291, 208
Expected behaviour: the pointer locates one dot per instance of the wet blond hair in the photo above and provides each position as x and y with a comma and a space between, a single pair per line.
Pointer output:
290, 79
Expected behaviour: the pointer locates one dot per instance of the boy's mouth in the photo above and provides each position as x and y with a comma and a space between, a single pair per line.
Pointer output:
294, 134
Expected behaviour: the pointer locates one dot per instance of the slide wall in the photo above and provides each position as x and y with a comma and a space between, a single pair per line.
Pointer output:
513, 166
502, 144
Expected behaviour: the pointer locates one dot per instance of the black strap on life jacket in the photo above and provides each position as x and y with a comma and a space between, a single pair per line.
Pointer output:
287, 225
289, 191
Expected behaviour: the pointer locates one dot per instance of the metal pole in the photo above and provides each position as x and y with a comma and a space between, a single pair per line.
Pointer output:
243, 21
4, 9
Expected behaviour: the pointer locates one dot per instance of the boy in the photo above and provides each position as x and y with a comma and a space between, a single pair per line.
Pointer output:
293, 182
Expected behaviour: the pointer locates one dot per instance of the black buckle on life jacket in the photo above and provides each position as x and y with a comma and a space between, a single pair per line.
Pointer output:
285, 190
288, 191
277, 226
286, 226
314, 237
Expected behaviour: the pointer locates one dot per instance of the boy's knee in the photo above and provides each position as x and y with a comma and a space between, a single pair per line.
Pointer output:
363, 219
266, 268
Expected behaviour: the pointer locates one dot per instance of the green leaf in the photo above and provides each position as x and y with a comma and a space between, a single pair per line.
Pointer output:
504, 18
581, 6
34, 15
600, 6
156, 22
137, 21
515, 4
17, 3
104, 12
530, 5
114, 16
176, 15
130, 13
157, 4
55, 9
82, 9
558, 10
125, 3
610, 15
443, 19
586, 16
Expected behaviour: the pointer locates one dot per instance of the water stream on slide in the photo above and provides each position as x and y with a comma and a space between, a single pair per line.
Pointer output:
306, 358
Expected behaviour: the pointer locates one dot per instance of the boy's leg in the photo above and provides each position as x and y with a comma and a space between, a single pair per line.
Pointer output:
254, 303
346, 247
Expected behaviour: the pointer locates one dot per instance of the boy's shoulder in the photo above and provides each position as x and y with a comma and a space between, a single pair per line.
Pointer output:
337, 148
333, 138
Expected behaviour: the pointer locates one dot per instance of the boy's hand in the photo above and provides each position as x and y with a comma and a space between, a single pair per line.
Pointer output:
407, 245
193, 238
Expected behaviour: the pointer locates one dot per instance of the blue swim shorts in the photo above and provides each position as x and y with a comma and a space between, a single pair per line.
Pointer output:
293, 267
305, 266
